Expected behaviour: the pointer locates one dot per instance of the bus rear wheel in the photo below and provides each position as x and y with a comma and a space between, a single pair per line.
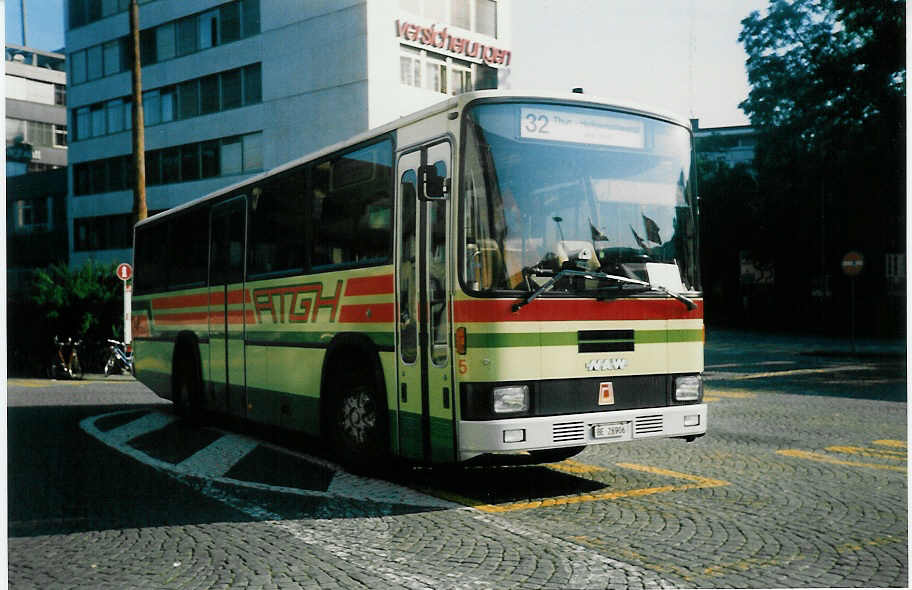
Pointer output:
358, 426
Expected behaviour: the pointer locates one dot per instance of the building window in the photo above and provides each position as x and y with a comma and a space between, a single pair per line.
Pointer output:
106, 232
188, 36
439, 73
209, 94
15, 131
32, 215
83, 124
115, 116
410, 67
208, 29
94, 62
151, 100
164, 42
191, 34
78, 67
60, 135
188, 99
486, 17
59, 94
475, 15
112, 57
183, 163
217, 92
460, 14
232, 96
98, 120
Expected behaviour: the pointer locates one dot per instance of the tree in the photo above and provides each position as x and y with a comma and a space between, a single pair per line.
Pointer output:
85, 303
828, 100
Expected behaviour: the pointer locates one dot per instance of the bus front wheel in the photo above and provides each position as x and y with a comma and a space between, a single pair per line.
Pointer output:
358, 426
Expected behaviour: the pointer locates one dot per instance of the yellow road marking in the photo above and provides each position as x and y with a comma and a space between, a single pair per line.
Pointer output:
900, 444
734, 394
698, 483
876, 453
801, 372
45, 382
825, 459
575, 467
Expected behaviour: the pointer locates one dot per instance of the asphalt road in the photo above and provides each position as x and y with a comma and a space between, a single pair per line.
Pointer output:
801, 482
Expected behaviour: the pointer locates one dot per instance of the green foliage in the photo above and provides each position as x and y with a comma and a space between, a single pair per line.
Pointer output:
82, 301
828, 102
85, 303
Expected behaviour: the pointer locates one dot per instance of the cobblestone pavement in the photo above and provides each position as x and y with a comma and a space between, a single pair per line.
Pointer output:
786, 490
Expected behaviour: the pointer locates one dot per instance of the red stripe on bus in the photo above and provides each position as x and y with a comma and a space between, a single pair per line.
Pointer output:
373, 313
381, 285
181, 319
202, 299
203, 317
500, 310
199, 300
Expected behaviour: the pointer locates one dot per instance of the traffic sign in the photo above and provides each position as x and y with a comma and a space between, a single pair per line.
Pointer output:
124, 271
852, 264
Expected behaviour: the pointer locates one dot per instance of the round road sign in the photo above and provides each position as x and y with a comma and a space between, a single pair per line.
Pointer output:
852, 263
124, 271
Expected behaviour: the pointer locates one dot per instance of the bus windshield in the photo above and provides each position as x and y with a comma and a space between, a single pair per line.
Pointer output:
548, 187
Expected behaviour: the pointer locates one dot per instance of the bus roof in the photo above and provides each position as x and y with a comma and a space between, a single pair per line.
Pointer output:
458, 102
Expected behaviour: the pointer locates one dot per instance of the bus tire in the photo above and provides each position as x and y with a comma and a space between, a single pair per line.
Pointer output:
358, 429
555, 455
187, 383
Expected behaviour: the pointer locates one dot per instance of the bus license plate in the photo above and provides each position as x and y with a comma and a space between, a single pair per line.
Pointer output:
612, 430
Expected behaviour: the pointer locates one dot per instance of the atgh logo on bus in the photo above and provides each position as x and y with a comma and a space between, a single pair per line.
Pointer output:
606, 365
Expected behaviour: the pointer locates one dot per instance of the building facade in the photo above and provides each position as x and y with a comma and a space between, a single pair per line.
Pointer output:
233, 88
734, 144
36, 116
36, 159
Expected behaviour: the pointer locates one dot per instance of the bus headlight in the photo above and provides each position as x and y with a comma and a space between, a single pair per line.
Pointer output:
511, 399
688, 388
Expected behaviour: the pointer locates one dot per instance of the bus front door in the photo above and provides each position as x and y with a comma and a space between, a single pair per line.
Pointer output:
425, 396
227, 307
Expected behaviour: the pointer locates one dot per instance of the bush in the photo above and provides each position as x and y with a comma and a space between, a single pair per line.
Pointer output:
84, 303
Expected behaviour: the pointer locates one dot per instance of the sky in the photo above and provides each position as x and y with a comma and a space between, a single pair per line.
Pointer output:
647, 51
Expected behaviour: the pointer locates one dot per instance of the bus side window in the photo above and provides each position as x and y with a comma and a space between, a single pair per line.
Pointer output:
277, 233
408, 283
352, 208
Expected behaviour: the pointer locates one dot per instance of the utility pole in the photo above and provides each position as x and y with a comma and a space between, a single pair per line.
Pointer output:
140, 211
22, 14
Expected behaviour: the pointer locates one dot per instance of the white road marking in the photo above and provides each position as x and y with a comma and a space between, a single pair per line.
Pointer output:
149, 423
196, 471
218, 458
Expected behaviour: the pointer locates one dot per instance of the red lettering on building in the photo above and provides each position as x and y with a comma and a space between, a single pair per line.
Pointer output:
442, 39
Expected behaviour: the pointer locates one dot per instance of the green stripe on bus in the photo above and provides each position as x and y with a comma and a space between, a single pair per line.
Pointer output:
515, 340
265, 338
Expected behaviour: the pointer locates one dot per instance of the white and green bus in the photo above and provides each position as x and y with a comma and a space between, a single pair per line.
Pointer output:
502, 272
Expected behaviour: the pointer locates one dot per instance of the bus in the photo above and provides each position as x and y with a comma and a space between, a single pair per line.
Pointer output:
502, 273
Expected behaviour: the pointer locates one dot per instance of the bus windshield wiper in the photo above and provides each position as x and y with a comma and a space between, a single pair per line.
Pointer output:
555, 277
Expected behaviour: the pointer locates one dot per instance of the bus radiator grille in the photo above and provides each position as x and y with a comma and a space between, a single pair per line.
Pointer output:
648, 424
568, 431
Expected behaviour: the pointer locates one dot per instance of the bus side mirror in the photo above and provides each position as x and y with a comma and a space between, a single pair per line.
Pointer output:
435, 185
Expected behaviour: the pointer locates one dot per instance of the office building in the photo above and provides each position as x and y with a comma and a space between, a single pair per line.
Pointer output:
235, 88
36, 159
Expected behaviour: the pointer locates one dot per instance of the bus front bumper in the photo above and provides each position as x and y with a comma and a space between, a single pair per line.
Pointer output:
477, 437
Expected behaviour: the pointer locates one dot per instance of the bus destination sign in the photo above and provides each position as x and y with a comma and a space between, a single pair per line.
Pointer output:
564, 125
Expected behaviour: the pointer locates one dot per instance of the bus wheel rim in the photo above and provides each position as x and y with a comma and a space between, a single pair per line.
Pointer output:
358, 416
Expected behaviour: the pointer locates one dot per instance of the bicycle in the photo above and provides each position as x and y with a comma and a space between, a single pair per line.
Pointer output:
120, 357
67, 364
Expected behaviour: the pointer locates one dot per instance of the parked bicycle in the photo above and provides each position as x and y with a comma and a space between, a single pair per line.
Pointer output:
66, 365
120, 358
